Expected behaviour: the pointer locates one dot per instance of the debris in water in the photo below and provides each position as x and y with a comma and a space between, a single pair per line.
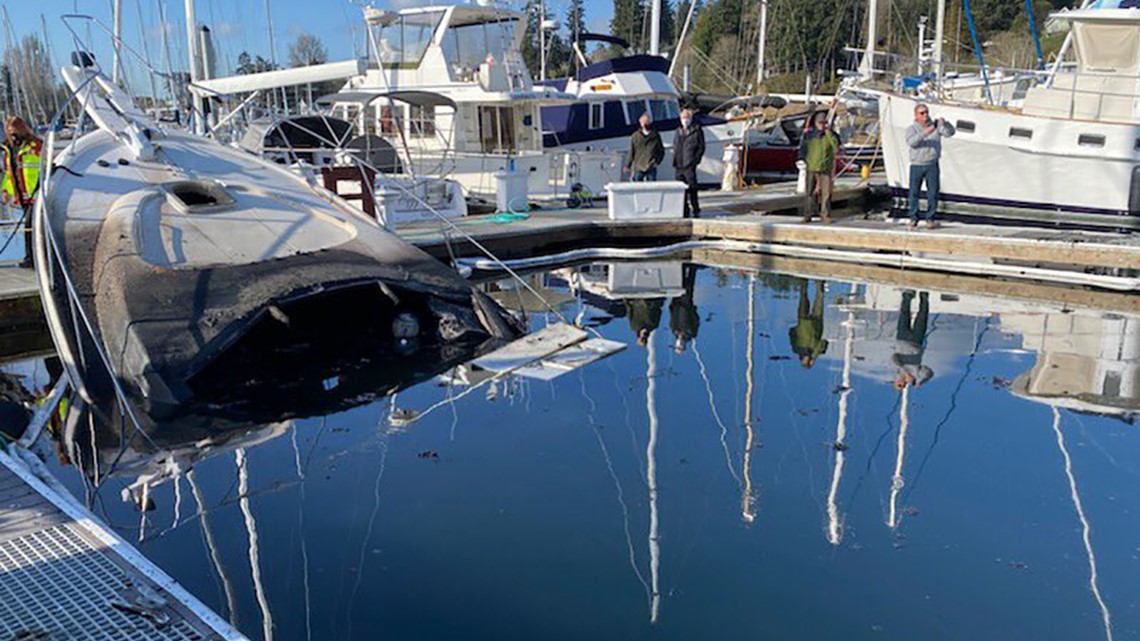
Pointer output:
429, 454
840, 446
839, 389
910, 511
779, 358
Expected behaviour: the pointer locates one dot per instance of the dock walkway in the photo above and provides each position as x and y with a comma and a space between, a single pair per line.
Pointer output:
64, 576
768, 218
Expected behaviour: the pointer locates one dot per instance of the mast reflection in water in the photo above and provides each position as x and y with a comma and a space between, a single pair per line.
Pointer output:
929, 464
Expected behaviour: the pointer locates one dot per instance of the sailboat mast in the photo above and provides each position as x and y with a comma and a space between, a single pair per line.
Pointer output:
655, 28
195, 71
542, 39
939, 34
867, 66
763, 44
117, 65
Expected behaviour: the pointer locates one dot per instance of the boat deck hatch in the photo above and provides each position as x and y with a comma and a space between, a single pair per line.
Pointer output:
194, 195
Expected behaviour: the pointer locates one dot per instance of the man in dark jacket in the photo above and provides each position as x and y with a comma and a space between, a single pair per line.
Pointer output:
684, 319
688, 150
645, 151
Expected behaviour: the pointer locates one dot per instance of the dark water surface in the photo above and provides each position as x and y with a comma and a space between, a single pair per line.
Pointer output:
719, 491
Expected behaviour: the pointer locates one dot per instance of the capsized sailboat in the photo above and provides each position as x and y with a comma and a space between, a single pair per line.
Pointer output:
172, 262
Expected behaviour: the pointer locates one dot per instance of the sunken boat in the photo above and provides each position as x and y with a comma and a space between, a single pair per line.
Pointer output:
183, 274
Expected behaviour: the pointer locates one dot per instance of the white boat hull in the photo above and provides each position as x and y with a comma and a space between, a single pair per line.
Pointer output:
1059, 173
709, 172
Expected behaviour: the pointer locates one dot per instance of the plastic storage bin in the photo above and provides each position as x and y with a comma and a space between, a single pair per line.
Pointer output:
647, 200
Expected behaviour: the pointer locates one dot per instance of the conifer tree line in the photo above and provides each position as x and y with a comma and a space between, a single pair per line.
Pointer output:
804, 37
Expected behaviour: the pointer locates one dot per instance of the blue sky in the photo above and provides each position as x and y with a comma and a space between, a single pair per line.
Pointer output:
238, 25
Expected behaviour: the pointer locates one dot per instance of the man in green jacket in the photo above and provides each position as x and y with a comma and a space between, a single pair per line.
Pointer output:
818, 149
807, 335
645, 151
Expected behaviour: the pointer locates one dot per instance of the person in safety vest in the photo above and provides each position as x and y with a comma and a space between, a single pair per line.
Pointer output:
22, 153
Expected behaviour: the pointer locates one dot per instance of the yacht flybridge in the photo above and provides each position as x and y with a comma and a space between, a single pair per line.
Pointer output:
1069, 154
469, 55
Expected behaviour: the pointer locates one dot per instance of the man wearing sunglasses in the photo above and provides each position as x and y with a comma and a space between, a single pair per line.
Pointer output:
924, 137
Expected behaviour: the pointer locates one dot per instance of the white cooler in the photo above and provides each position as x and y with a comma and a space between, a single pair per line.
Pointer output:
647, 200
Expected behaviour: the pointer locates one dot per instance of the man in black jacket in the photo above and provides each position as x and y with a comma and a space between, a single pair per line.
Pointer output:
688, 150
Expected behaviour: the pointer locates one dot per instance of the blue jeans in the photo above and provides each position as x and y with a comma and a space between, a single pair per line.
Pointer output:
650, 175
918, 174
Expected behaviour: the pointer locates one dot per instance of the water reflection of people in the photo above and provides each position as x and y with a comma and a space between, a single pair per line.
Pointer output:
910, 343
644, 317
807, 336
684, 319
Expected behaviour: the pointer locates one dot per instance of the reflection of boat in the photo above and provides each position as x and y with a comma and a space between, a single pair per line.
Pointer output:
1084, 363
1087, 360
195, 271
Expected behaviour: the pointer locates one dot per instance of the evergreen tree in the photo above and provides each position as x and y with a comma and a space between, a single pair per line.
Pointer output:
530, 43
627, 20
575, 19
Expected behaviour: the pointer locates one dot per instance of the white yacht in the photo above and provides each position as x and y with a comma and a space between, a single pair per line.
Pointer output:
490, 121
610, 97
1069, 154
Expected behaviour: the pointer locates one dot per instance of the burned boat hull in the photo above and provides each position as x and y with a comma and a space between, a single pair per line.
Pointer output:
180, 254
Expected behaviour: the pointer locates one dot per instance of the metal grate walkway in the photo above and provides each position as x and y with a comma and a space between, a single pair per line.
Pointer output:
65, 577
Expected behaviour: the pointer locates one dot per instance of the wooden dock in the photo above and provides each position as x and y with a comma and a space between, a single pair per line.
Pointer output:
66, 576
769, 220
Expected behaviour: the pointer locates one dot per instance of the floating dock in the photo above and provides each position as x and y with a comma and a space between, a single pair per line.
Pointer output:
65, 576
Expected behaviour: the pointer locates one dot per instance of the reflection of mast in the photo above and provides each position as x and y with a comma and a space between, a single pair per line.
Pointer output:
651, 480
301, 527
746, 499
897, 480
834, 523
254, 553
1086, 529
212, 546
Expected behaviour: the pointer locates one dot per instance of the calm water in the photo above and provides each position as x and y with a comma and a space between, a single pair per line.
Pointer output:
705, 485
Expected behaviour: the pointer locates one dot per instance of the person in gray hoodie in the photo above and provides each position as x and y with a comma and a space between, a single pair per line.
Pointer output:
924, 137
910, 343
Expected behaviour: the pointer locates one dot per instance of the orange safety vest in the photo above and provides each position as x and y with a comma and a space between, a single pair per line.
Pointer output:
20, 185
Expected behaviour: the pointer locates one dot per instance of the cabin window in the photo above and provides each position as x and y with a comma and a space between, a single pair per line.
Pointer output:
466, 46
421, 120
965, 126
389, 119
597, 115
1020, 132
1090, 140
672, 109
497, 129
633, 110
403, 41
657, 110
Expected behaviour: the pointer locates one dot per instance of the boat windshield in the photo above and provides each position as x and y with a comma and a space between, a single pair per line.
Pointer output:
466, 46
403, 41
